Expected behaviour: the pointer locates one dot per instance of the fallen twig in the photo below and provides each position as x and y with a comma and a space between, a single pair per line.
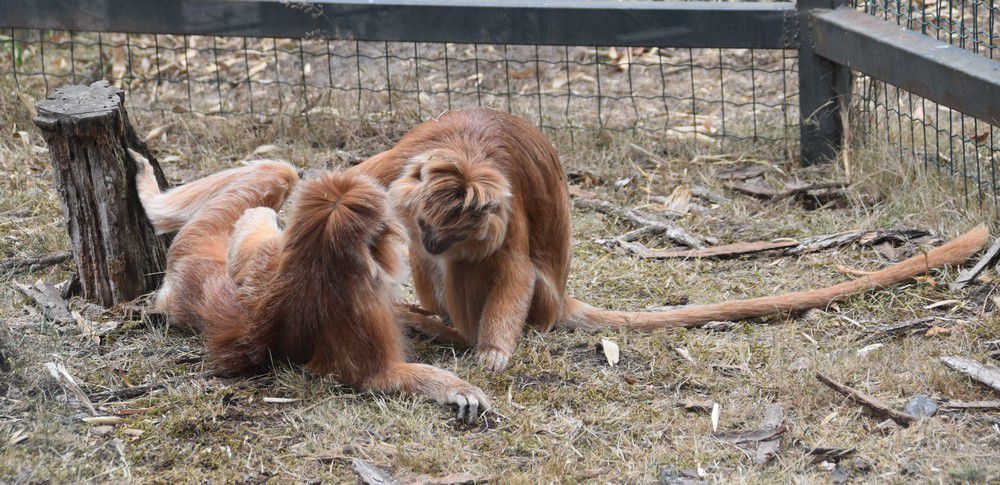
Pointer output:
32, 264
49, 300
989, 259
881, 332
136, 391
984, 373
867, 401
971, 405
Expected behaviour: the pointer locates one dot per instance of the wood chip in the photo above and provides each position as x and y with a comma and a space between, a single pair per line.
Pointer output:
611, 351
870, 402
371, 474
984, 373
725, 250
774, 418
49, 301
61, 374
989, 259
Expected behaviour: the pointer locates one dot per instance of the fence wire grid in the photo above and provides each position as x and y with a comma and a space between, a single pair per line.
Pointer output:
703, 95
943, 140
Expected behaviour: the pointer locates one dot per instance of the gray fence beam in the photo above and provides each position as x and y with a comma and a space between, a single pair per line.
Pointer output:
824, 90
541, 22
922, 65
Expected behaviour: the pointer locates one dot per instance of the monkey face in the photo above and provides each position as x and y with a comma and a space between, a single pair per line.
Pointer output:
453, 206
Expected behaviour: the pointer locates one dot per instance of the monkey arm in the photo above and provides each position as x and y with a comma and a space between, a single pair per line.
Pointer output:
428, 324
506, 311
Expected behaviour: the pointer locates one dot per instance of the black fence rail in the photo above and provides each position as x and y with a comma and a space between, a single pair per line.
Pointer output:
921, 73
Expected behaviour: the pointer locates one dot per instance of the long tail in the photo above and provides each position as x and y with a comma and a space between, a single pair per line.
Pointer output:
954, 252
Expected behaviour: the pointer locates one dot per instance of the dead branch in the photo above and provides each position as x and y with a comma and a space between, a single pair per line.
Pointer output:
644, 220
16, 265
984, 373
725, 250
870, 402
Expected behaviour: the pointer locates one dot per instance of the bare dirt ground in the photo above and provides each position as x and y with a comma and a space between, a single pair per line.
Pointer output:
562, 413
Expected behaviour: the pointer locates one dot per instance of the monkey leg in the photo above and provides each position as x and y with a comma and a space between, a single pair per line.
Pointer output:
504, 314
438, 384
253, 230
170, 210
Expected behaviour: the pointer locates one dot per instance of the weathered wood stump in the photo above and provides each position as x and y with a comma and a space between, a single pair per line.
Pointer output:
118, 255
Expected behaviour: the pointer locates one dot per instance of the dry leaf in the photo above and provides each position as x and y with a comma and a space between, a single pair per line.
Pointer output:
685, 354
679, 201
263, 149
869, 349
17, 437
156, 132
716, 413
133, 432
926, 279
611, 351
936, 330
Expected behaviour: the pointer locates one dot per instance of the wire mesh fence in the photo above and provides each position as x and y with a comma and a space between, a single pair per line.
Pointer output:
709, 96
945, 141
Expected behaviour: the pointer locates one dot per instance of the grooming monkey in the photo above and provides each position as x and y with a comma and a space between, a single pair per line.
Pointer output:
486, 204
320, 293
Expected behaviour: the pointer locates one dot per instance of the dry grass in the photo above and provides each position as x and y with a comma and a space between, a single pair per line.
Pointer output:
562, 413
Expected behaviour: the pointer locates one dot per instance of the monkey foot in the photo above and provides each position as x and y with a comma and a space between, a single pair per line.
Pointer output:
471, 402
494, 360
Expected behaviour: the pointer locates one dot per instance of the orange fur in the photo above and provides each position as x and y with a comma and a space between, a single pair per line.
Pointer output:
320, 293
485, 201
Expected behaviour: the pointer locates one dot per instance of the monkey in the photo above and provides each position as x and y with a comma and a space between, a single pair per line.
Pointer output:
485, 201
319, 293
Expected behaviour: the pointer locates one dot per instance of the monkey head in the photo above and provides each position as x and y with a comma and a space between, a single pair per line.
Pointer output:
457, 207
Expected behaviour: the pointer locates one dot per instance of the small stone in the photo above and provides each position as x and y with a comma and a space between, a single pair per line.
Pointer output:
839, 475
921, 407
863, 465
101, 430
912, 468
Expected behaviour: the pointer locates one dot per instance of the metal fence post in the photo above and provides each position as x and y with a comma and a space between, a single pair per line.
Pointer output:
824, 89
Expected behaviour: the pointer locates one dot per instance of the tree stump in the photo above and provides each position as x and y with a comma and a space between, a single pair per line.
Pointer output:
118, 254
